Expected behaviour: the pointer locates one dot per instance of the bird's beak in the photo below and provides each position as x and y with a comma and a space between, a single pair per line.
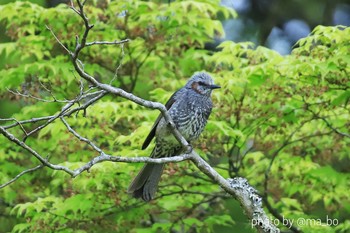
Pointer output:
214, 86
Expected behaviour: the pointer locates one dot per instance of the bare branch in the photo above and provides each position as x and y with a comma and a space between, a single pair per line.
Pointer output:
104, 157
65, 112
252, 204
80, 137
118, 91
107, 42
64, 109
16, 123
241, 190
52, 95
21, 174
93, 97
329, 125
20, 123
119, 66
190, 192
334, 129
37, 98
238, 188
80, 45
62, 45
45, 162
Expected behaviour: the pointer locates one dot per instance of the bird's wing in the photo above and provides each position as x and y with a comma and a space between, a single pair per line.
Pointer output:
151, 135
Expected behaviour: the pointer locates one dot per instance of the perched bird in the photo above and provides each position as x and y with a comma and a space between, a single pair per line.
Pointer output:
189, 109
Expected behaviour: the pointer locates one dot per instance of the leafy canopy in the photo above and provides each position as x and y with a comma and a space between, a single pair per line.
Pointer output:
281, 122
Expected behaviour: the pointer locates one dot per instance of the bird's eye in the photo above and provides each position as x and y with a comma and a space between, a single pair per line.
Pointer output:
202, 83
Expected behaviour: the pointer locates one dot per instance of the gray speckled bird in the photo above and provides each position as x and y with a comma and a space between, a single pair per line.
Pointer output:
189, 108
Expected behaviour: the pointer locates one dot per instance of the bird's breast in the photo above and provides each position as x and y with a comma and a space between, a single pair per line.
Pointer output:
190, 116
191, 121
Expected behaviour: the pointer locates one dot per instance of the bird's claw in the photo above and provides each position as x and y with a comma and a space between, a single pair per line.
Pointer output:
189, 149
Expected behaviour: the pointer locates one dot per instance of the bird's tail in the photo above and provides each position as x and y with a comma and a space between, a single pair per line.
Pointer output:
146, 182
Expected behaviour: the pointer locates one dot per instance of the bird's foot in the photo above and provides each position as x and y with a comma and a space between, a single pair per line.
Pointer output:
189, 149
171, 124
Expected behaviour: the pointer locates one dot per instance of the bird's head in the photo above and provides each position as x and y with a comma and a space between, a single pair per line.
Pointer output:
202, 83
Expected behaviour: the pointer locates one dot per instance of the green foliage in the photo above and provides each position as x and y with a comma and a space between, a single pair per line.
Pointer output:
295, 110
285, 116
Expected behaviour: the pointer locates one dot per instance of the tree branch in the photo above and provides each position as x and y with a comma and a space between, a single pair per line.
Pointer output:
93, 97
102, 158
107, 42
36, 98
114, 90
21, 174
22, 144
241, 191
238, 187
80, 137
329, 125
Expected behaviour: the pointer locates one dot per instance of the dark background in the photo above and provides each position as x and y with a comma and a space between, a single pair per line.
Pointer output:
278, 24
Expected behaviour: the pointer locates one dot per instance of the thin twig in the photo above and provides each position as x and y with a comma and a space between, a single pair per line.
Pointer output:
21, 174
106, 42
54, 35
44, 161
317, 116
50, 92
119, 66
103, 157
20, 123
241, 191
80, 137
37, 98
64, 109
94, 97
16, 123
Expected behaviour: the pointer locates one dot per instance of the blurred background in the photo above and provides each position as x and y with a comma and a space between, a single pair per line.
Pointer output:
276, 24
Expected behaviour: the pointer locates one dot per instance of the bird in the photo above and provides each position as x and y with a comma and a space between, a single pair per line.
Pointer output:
189, 109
